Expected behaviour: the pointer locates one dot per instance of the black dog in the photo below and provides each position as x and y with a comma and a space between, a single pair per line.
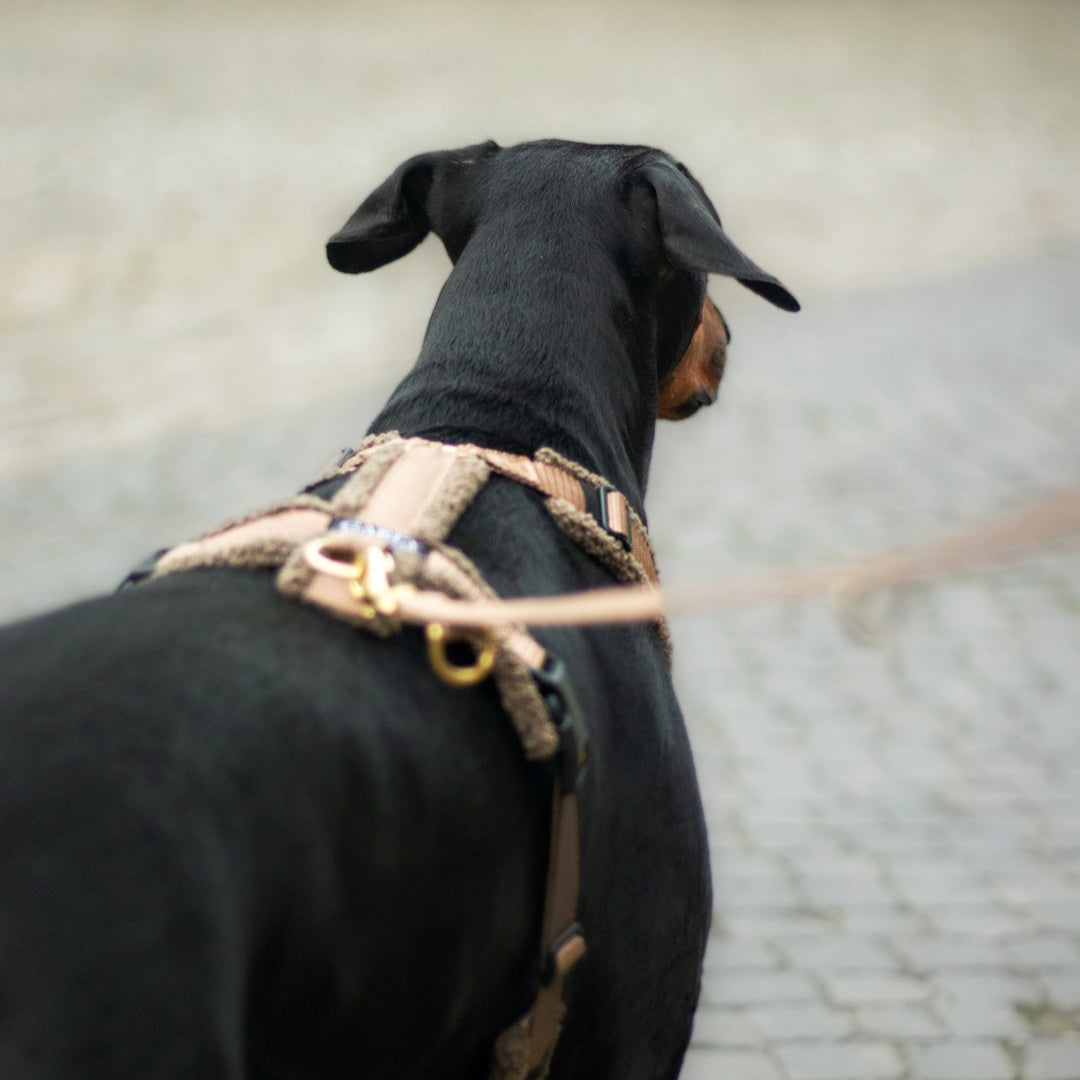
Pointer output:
239, 838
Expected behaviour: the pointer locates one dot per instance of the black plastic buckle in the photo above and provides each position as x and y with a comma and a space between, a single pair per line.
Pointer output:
142, 571
549, 962
565, 712
600, 494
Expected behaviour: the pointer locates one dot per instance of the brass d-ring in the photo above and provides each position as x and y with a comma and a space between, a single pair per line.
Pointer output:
454, 674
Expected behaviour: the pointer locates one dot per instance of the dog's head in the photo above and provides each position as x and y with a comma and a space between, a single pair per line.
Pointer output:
567, 209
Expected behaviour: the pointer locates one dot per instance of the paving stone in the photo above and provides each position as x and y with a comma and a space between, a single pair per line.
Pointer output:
726, 1028
846, 864
787, 1023
1052, 1059
901, 1022
884, 922
981, 1020
733, 893
781, 836
840, 1061
1042, 952
740, 955
1061, 915
1050, 884
780, 924
990, 920
839, 953
926, 954
848, 989
1063, 987
729, 1065
756, 988
986, 986
934, 886
961, 1061
847, 891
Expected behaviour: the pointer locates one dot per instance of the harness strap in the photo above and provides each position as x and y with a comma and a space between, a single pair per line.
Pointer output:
562, 941
611, 508
410, 487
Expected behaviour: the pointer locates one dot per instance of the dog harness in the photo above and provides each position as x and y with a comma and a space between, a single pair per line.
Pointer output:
381, 537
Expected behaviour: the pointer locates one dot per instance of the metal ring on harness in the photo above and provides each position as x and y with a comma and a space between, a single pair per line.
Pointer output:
458, 675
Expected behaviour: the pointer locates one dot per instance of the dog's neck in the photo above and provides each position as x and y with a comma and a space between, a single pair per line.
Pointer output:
547, 351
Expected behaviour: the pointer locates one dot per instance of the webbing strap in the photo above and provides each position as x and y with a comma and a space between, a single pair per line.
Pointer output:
546, 478
562, 939
558, 483
410, 487
273, 534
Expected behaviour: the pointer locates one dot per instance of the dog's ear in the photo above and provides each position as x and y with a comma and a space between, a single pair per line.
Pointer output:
394, 218
694, 240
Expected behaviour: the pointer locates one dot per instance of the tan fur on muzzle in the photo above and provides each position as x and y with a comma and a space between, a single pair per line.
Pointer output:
696, 380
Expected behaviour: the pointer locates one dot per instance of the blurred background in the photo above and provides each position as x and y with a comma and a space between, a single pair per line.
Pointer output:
896, 827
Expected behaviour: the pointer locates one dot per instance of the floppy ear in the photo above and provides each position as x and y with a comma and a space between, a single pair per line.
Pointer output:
393, 219
694, 240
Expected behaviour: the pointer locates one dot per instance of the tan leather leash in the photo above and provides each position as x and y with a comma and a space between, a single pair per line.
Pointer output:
1006, 536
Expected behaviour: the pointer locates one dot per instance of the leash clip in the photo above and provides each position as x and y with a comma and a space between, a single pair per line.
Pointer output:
367, 573
370, 588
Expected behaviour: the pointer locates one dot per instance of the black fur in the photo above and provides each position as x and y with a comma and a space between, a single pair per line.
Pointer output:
240, 839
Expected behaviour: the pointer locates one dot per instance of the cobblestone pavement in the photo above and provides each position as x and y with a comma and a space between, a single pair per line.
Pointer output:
895, 826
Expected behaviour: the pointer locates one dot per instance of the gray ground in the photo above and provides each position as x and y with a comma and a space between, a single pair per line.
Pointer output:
896, 828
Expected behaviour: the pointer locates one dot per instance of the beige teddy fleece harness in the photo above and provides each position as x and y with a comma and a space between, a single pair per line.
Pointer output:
382, 536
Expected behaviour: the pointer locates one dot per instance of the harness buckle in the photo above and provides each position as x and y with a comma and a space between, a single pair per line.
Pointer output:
562, 954
602, 514
565, 712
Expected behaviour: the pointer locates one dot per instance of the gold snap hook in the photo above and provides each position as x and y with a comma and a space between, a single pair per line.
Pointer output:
366, 573
358, 586
370, 585
454, 674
